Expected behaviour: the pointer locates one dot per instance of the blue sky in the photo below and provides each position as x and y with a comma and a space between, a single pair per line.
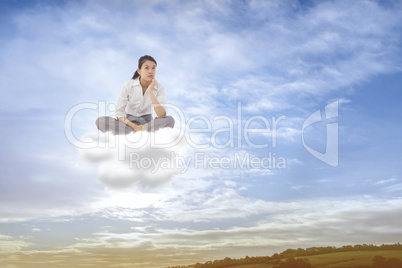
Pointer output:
266, 59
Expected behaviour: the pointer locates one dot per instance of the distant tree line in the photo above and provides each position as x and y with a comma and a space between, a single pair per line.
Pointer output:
289, 256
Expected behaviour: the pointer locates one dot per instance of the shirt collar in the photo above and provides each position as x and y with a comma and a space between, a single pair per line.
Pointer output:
136, 82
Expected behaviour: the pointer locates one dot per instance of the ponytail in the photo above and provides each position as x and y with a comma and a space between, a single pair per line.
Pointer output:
136, 74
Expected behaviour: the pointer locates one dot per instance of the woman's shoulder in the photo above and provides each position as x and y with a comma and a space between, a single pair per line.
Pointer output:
131, 82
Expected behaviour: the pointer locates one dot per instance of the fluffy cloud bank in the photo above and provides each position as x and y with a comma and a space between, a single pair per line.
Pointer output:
141, 159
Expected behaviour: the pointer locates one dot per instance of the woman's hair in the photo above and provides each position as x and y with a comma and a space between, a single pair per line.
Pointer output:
141, 62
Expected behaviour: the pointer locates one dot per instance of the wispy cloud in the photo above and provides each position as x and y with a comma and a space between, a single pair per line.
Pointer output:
282, 226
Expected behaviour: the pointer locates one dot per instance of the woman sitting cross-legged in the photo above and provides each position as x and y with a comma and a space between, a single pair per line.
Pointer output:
139, 97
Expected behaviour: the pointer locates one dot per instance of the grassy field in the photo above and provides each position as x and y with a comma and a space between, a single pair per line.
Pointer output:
350, 259
340, 259
253, 266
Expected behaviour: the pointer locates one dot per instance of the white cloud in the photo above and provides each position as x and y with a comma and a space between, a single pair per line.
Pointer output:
386, 181
10, 244
141, 159
393, 188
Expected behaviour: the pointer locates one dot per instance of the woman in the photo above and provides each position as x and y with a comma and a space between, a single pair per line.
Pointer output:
139, 97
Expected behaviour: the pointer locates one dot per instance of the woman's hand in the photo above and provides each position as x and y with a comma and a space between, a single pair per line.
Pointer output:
132, 125
151, 86
139, 127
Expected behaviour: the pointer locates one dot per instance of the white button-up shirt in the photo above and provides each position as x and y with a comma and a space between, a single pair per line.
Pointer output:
131, 101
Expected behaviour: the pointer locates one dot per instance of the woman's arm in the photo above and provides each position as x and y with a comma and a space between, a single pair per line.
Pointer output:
122, 101
159, 109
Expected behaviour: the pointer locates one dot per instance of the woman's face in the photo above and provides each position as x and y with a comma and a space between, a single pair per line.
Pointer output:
147, 71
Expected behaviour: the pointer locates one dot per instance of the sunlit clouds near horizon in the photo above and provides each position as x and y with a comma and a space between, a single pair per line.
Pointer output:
287, 130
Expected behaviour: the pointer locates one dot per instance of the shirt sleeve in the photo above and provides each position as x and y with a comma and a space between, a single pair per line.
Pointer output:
161, 96
122, 101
